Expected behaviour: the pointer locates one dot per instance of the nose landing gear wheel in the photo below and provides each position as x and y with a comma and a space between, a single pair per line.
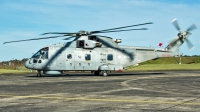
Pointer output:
39, 74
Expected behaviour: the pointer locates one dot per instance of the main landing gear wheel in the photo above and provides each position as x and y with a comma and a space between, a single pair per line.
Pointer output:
105, 73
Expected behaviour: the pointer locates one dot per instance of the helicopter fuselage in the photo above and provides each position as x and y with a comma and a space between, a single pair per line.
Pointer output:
91, 53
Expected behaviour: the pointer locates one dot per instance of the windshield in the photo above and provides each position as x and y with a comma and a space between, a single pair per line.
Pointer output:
42, 53
37, 55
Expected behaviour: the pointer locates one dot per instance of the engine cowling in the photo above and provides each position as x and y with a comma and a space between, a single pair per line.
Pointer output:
88, 44
118, 40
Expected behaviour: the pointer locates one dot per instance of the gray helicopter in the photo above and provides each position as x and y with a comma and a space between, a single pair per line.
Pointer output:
99, 54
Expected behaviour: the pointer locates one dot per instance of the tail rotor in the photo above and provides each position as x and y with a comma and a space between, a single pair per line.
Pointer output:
183, 35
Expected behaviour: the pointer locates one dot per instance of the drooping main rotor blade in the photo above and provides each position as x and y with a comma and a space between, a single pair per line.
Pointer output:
175, 23
64, 33
82, 32
122, 30
120, 27
189, 44
68, 38
192, 27
34, 39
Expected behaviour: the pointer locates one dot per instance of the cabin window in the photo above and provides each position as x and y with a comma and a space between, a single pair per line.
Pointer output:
109, 57
87, 57
69, 56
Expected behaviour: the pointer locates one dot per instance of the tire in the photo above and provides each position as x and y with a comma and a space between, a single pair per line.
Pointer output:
105, 73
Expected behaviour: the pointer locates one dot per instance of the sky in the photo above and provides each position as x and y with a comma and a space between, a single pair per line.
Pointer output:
25, 19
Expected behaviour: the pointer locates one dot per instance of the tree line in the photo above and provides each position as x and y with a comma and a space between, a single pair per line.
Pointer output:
13, 64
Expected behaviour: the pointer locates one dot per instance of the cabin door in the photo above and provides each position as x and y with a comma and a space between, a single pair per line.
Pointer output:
78, 60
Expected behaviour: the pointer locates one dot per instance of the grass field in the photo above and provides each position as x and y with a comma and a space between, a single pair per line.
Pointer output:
152, 67
8, 71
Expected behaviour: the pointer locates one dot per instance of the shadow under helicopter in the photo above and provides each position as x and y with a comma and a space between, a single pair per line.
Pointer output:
77, 74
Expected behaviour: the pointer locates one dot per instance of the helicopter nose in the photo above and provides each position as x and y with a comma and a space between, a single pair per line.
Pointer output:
27, 64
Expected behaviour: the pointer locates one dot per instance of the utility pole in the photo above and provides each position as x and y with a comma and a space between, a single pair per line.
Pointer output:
180, 59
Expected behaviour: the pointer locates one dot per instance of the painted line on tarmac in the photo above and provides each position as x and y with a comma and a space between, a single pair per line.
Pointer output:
100, 99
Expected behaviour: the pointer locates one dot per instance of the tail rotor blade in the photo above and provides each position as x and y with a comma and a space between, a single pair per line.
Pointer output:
192, 27
175, 23
189, 44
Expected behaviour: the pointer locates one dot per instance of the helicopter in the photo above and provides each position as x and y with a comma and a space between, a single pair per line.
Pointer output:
98, 54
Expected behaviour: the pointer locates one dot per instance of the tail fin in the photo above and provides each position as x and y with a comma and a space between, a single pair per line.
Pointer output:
181, 38
174, 45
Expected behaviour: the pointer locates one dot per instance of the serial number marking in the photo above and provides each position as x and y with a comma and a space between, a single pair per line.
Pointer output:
166, 55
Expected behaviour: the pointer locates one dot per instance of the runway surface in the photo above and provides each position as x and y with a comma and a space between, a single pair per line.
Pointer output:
166, 91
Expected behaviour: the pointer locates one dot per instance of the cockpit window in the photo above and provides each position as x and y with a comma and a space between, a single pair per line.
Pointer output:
37, 55
45, 49
43, 53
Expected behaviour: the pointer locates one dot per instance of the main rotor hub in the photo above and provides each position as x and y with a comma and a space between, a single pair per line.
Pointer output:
83, 32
